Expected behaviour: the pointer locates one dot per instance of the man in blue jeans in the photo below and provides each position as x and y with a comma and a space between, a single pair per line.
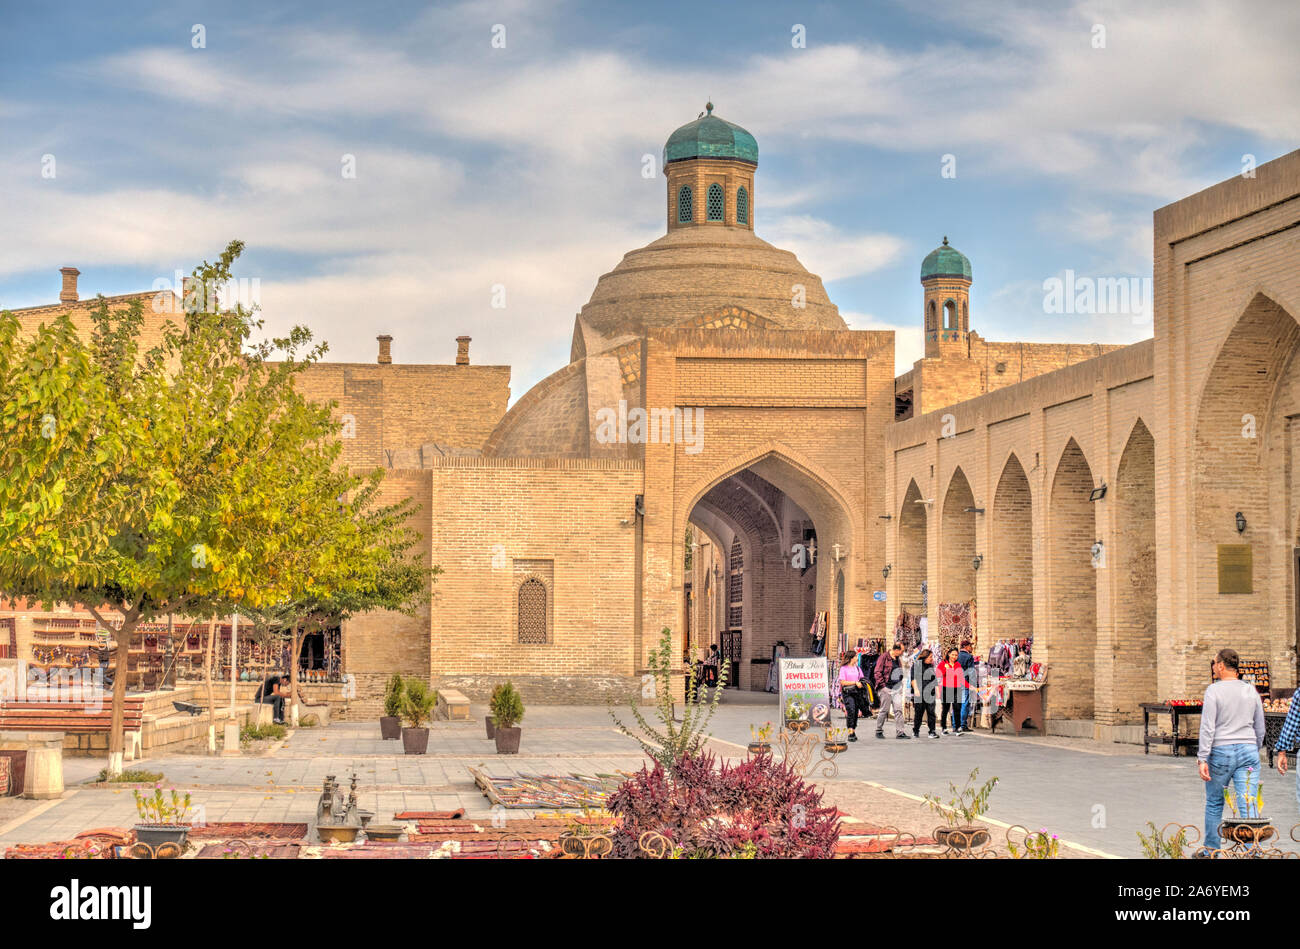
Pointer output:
1232, 731
1287, 740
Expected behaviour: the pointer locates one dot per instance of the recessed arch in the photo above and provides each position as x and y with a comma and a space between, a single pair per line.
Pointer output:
685, 205
912, 549
1070, 639
715, 203
1134, 556
950, 314
1011, 554
957, 541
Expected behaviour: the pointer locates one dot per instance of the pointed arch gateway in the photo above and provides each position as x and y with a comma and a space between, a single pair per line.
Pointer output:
1011, 555
957, 541
768, 503
1070, 641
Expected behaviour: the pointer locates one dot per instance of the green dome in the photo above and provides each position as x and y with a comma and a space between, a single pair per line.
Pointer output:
711, 137
945, 261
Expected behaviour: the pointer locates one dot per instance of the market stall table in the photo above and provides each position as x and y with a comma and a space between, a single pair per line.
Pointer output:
1174, 712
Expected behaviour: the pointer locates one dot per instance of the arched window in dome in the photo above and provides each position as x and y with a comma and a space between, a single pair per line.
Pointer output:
742, 205
965, 318
685, 206
930, 324
950, 312
715, 204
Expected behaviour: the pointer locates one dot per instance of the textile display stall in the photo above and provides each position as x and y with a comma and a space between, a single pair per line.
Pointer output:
956, 624
907, 629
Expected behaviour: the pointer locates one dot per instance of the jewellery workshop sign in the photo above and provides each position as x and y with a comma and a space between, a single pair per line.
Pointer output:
805, 689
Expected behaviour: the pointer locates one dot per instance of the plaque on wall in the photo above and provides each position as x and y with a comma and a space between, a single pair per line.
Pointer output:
1236, 569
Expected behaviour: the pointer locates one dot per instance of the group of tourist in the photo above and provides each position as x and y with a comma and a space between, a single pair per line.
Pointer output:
888, 683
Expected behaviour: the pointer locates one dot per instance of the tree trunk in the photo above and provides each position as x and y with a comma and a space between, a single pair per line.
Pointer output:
212, 695
117, 725
295, 648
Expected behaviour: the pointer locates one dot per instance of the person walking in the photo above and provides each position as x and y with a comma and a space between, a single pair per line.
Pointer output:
1287, 740
923, 687
1232, 731
852, 694
890, 687
953, 682
711, 665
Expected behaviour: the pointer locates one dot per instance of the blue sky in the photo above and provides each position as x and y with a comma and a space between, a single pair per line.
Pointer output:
522, 166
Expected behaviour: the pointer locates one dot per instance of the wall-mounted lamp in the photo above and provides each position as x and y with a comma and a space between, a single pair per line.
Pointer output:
640, 505
1096, 494
972, 510
838, 552
885, 573
976, 561
1098, 552
1241, 523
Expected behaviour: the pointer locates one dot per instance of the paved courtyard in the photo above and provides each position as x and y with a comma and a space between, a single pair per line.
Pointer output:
1093, 796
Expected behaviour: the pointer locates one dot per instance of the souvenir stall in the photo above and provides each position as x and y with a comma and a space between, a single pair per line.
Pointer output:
1012, 686
1182, 732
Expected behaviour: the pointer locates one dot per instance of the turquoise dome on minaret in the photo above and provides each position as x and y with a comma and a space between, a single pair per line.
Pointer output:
945, 261
711, 137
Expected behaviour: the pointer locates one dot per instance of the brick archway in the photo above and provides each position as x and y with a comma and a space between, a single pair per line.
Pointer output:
1069, 643
1011, 555
1134, 606
957, 541
912, 565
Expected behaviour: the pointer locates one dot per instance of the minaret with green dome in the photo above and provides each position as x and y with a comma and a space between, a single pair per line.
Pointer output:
710, 167
946, 277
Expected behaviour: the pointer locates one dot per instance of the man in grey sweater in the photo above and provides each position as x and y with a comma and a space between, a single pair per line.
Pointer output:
1232, 731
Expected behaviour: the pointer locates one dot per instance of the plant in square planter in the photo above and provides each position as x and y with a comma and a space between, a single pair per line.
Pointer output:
164, 819
960, 812
760, 739
417, 705
491, 725
507, 712
390, 725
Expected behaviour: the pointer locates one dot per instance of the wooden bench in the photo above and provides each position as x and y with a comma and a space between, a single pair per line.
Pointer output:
75, 718
453, 706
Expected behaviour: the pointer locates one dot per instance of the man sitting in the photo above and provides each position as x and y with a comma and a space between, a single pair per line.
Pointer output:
274, 691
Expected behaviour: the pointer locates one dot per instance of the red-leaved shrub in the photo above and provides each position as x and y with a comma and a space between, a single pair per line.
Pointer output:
711, 811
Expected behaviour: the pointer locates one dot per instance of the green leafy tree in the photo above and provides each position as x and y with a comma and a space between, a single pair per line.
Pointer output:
185, 478
673, 740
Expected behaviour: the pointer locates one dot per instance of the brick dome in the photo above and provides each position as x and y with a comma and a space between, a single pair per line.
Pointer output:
693, 271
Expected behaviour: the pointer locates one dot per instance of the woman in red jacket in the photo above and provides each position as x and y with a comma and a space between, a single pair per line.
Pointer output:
953, 682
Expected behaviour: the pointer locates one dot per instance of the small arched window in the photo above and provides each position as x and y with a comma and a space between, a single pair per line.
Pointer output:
950, 312
930, 326
742, 206
715, 206
685, 206
965, 318
532, 611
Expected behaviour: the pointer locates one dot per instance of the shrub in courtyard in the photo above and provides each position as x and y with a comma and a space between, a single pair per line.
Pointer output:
417, 703
674, 740
393, 697
507, 706
757, 808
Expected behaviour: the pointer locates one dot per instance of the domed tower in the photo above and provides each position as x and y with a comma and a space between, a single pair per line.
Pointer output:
946, 277
710, 166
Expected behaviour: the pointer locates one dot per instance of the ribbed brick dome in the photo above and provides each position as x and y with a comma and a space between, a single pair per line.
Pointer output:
692, 271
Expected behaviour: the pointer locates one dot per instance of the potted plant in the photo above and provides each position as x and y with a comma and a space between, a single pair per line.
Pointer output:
1245, 825
836, 740
507, 712
491, 725
417, 705
760, 742
390, 725
163, 818
960, 812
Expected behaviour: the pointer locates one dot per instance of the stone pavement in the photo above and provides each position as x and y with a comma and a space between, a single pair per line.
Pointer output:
1091, 795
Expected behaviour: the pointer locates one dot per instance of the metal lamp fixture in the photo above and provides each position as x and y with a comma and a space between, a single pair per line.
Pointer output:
976, 561
1096, 494
1241, 523
885, 573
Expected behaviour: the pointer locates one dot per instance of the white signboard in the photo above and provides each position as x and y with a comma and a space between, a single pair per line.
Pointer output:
804, 690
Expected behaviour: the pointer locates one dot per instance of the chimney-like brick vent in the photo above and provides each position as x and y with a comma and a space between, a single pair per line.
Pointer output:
462, 350
69, 292
385, 350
